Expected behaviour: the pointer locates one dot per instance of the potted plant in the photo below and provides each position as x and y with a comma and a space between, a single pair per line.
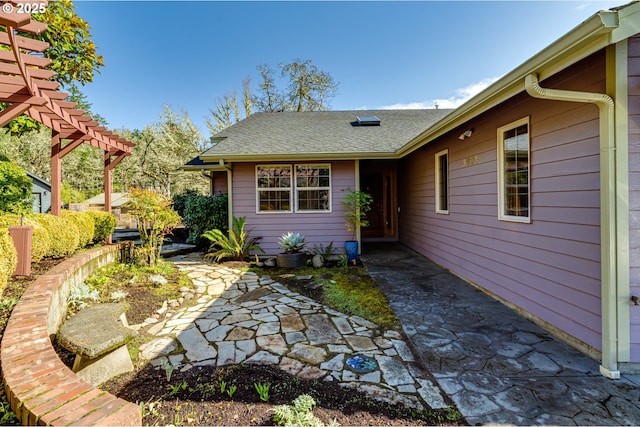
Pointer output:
292, 256
356, 204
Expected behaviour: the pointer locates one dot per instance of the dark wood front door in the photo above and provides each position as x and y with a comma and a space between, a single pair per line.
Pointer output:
382, 217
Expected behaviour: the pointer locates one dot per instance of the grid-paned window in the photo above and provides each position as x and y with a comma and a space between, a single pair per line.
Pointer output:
273, 183
513, 171
442, 182
313, 188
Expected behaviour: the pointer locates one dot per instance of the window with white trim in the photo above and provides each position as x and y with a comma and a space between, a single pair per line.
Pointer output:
513, 171
281, 187
273, 184
442, 182
313, 188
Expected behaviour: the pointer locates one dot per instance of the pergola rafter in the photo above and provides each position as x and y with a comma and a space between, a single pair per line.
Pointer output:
27, 86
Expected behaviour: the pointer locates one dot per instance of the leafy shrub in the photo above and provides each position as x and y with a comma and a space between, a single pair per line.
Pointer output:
8, 258
7, 416
180, 201
78, 295
70, 195
40, 241
63, 233
300, 414
237, 245
201, 213
155, 218
356, 206
105, 224
15, 188
86, 226
330, 254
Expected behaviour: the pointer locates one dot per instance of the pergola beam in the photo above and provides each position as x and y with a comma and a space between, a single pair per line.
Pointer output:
11, 112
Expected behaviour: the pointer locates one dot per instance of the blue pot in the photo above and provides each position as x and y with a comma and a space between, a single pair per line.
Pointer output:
351, 247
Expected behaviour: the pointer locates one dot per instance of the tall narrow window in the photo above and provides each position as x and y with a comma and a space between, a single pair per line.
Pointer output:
274, 188
442, 182
313, 188
513, 171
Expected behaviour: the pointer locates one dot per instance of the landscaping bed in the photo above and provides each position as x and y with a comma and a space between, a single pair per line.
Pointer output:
202, 395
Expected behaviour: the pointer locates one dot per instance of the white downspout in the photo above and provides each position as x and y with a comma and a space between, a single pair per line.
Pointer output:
608, 249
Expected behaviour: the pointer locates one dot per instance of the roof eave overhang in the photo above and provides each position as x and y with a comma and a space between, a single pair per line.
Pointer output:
244, 158
599, 31
214, 168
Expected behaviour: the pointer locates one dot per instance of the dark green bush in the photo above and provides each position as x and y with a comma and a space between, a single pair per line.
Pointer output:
201, 213
180, 201
105, 224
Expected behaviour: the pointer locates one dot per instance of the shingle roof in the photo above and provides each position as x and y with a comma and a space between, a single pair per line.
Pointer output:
43, 182
117, 200
328, 133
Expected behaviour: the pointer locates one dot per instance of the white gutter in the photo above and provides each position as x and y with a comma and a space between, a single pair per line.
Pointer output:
608, 226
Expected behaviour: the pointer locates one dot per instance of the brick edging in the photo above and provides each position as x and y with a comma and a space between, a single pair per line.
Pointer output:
40, 388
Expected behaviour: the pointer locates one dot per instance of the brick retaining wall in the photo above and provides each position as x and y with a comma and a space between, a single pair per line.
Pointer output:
41, 389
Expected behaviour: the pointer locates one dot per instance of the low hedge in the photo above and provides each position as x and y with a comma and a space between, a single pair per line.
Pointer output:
8, 258
86, 226
65, 235
105, 224
40, 241
57, 237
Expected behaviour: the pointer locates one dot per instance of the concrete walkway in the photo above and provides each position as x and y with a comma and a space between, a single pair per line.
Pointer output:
498, 367
242, 318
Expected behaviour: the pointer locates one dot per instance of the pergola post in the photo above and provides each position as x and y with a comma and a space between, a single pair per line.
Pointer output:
56, 172
107, 181
109, 164
107, 185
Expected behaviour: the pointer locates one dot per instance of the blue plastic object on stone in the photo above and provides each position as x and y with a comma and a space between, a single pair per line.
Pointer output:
361, 364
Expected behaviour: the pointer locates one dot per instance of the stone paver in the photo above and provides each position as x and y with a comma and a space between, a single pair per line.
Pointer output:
498, 367
242, 318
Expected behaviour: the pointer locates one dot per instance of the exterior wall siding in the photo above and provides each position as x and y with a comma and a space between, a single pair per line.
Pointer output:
634, 191
219, 183
318, 228
550, 267
41, 199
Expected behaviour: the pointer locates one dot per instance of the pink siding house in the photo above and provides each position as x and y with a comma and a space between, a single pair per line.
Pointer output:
530, 190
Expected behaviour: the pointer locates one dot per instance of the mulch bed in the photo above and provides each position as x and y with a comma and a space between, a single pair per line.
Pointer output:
195, 397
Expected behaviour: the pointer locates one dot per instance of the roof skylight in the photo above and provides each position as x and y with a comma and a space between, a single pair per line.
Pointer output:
367, 121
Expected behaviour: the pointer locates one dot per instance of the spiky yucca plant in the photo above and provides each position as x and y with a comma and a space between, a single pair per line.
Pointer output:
236, 246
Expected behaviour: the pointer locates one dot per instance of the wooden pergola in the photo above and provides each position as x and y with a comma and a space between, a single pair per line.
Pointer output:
26, 85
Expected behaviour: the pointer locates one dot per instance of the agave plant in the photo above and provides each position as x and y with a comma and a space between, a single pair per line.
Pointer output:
237, 245
291, 243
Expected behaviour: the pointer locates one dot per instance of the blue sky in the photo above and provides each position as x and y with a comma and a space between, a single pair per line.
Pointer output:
383, 54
